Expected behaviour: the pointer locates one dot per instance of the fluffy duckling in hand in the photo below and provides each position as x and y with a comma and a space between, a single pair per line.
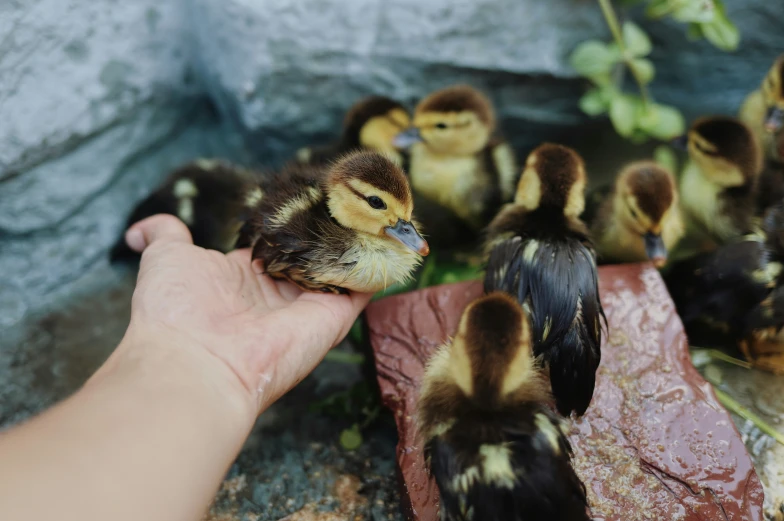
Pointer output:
455, 160
539, 251
344, 227
718, 186
763, 109
495, 449
735, 295
637, 218
208, 195
371, 124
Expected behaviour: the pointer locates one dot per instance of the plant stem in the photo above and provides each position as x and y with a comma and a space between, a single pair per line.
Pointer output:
746, 414
615, 28
718, 355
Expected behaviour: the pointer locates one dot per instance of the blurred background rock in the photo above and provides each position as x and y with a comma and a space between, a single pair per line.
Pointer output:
100, 98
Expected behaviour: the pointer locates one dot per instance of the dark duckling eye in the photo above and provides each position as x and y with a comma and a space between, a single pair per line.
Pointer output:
441, 125
634, 214
375, 202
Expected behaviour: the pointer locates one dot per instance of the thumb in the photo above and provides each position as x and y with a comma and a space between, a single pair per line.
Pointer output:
158, 228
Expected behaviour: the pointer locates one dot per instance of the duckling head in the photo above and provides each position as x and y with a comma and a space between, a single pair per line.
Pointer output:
645, 194
373, 123
368, 193
491, 352
454, 121
773, 94
725, 150
553, 177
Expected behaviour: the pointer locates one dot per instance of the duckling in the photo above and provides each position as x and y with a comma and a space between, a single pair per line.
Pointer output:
495, 449
771, 181
763, 109
347, 226
208, 195
372, 123
735, 295
455, 161
637, 218
539, 251
718, 185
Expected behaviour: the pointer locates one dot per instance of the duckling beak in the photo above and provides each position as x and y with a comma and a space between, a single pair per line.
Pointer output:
774, 119
680, 143
407, 138
406, 233
655, 249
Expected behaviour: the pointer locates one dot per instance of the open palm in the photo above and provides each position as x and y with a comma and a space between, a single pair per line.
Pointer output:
270, 333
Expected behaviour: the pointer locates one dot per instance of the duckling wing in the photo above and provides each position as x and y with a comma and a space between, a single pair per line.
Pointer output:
558, 282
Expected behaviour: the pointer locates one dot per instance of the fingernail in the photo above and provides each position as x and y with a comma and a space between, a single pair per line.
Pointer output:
135, 239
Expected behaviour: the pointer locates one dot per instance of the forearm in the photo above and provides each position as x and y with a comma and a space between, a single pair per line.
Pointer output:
149, 437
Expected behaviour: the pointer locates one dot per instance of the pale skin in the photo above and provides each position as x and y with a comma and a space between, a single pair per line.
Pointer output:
211, 344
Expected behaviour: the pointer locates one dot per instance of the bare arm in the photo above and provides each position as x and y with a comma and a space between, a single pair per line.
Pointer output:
150, 436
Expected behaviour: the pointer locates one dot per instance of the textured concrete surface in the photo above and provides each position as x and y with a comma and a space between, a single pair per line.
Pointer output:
99, 98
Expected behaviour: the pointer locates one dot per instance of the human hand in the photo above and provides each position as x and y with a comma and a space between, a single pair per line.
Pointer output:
223, 310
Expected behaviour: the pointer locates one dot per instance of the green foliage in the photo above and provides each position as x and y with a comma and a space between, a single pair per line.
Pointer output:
351, 438
636, 116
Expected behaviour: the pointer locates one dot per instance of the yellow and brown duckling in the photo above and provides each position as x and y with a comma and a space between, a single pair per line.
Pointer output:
455, 159
637, 218
539, 251
371, 124
735, 295
495, 449
763, 110
718, 185
347, 226
208, 195
771, 180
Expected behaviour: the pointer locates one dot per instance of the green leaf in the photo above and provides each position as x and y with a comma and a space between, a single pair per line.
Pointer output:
694, 32
659, 9
722, 32
592, 58
644, 69
594, 102
699, 11
665, 156
637, 42
662, 122
351, 439
623, 115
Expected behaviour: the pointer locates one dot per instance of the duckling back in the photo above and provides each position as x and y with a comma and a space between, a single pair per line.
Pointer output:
492, 445
539, 251
207, 195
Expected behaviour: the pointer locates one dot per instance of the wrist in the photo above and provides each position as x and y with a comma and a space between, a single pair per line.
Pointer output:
168, 363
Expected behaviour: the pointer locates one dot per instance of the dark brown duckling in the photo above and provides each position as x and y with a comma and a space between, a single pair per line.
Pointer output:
539, 251
372, 124
718, 186
734, 296
208, 195
347, 226
495, 449
637, 218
